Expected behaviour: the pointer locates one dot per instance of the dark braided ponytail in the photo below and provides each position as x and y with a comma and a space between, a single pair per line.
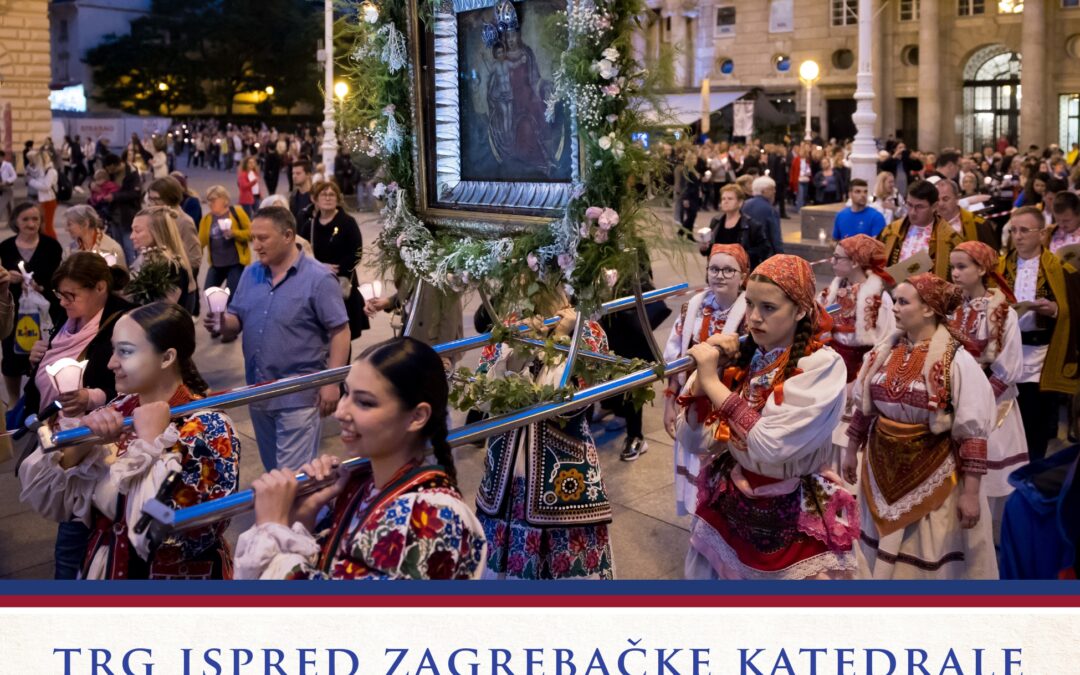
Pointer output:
169, 326
415, 372
803, 334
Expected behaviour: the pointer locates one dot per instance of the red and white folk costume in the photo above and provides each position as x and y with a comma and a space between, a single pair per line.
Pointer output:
770, 506
923, 412
989, 329
702, 317
108, 488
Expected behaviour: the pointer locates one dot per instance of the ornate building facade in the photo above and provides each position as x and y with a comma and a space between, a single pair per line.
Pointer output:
24, 75
948, 73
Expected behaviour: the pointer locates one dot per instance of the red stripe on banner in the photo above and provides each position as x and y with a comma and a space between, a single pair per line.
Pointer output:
519, 601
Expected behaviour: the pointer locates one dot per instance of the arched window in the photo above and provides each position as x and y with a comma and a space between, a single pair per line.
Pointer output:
991, 97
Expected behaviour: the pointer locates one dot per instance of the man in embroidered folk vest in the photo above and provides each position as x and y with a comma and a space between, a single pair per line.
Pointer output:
965, 223
921, 230
1049, 295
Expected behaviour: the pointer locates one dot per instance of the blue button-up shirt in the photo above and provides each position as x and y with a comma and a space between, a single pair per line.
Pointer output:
287, 327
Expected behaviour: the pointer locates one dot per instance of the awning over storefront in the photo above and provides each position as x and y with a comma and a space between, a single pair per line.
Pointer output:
685, 109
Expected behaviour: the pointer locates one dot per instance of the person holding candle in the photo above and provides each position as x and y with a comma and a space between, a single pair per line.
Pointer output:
720, 308
335, 239
40, 255
923, 412
105, 486
247, 179
401, 518
225, 231
87, 232
769, 506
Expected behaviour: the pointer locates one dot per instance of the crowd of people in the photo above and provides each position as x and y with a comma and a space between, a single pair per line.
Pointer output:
871, 440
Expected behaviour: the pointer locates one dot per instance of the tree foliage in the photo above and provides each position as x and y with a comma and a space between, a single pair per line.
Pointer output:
209, 51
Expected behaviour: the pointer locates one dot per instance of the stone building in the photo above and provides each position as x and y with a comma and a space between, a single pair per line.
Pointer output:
959, 73
24, 74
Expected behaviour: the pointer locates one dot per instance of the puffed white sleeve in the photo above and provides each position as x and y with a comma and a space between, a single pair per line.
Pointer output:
1008, 367
61, 494
813, 403
273, 551
886, 322
974, 412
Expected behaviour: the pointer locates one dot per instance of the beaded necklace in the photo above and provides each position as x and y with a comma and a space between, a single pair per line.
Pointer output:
905, 365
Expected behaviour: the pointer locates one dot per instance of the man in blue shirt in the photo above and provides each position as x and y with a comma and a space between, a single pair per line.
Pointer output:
858, 218
293, 319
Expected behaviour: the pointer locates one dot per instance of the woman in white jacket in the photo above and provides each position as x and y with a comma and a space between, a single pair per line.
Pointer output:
43, 178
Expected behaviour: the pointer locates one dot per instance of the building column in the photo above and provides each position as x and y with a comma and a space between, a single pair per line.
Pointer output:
704, 45
639, 43
929, 76
677, 40
1033, 75
878, 56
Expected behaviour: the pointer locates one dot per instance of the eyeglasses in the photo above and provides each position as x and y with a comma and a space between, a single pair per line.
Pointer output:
838, 258
64, 296
1026, 230
723, 272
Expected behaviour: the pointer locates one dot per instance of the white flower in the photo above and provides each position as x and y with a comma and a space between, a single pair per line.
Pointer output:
611, 54
371, 12
380, 191
617, 149
604, 142
607, 69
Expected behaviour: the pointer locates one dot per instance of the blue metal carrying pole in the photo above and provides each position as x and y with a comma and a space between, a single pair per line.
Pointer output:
259, 392
241, 502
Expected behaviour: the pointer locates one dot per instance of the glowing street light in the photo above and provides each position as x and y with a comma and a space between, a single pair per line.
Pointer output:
809, 72
269, 90
162, 86
341, 90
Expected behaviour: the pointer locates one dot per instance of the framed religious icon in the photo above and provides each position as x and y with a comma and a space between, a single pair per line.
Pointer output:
490, 149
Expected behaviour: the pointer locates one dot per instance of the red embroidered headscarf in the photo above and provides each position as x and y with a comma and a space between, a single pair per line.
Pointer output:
940, 295
868, 253
735, 251
794, 276
987, 258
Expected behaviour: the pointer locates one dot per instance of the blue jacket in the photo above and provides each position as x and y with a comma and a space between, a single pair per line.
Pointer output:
759, 209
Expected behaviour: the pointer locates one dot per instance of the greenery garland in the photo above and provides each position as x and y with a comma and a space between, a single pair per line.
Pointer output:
592, 250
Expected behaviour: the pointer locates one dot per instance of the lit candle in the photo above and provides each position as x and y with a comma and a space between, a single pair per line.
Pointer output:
821, 236
703, 234
371, 290
218, 299
66, 374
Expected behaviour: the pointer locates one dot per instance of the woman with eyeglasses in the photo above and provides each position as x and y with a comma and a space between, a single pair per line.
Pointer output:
40, 254
720, 308
83, 286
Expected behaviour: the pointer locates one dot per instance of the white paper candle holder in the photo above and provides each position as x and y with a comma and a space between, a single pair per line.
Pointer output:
371, 289
218, 299
66, 374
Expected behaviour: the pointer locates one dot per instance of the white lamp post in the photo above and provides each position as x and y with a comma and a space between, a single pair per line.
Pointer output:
329, 144
864, 150
809, 72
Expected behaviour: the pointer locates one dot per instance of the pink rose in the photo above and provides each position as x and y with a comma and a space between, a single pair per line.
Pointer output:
600, 236
534, 263
610, 90
400, 239
583, 230
608, 219
593, 212
565, 260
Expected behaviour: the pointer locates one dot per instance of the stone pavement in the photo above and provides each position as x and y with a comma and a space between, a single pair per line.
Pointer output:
649, 539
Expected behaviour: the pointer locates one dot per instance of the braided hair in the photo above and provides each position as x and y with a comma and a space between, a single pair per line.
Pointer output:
804, 333
415, 372
169, 326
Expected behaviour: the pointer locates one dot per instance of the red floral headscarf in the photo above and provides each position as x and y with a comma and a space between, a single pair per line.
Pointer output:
794, 276
940, 295
735, 251
987, 258
868, 253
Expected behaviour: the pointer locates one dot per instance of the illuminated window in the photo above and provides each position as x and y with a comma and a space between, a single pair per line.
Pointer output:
1010, 6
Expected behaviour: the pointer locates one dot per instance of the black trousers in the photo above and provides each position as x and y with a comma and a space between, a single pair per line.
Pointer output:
1039, 411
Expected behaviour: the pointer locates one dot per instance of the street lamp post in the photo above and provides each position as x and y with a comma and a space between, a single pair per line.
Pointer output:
864, 149
329, 144
809, 72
